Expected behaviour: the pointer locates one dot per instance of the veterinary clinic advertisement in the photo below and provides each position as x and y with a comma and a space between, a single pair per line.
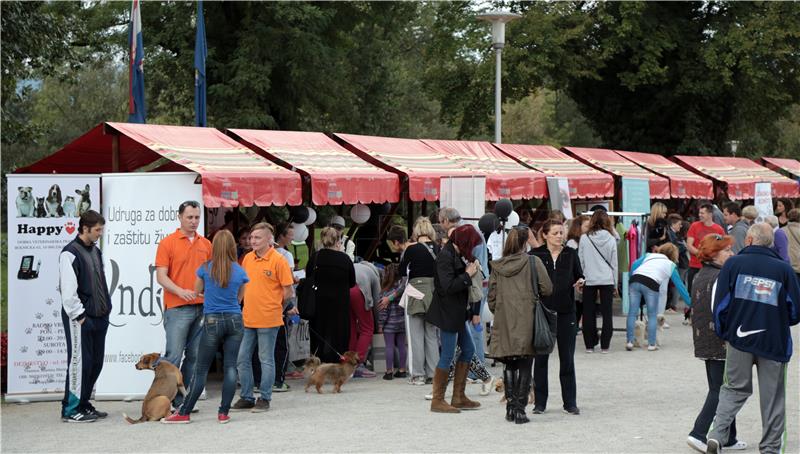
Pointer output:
763, 200
42, 216
140, 210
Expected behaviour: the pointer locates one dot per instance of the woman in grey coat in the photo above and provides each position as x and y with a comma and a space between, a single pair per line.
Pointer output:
513, 299
598, 254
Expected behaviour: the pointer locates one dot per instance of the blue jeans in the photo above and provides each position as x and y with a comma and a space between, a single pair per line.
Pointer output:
226, 329
266, 338
477, 342
449, 341
183, 325
637, 291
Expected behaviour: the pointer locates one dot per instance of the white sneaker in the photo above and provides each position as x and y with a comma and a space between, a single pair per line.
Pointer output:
696, 444
666, 325
486, 387
738, 446
629, 346
652, 348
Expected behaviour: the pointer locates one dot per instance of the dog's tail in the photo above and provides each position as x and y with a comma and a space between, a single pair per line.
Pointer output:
132, 421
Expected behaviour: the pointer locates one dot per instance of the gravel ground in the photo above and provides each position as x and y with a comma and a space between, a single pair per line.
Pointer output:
630, 402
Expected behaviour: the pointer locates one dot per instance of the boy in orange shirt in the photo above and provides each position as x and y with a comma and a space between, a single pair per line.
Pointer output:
178, 257
269, 289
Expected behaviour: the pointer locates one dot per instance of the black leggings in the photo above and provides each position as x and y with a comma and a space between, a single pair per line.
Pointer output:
589, 311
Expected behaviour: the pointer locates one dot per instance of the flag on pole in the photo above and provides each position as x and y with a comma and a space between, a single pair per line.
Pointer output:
136, 108
200, 53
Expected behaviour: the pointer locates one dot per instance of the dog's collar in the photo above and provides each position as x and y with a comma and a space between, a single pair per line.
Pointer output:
155, 363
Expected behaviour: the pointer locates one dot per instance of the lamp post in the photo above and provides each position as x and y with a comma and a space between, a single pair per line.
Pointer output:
734, 145
498, 20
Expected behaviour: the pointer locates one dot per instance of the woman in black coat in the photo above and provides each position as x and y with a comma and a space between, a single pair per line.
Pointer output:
332, 272
564, 268
455, 266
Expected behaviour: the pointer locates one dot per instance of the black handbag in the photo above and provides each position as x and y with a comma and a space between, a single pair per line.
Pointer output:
307, 294
544, 320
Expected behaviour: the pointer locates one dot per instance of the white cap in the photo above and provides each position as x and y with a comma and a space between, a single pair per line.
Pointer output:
338, 221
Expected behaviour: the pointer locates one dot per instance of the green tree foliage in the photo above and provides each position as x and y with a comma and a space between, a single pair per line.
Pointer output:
547, 117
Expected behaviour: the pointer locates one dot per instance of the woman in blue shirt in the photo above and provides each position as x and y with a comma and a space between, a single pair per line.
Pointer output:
222, 282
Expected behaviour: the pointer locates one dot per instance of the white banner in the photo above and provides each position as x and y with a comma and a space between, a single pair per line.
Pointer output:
763, 200
140, 209
42, 216
558, 188
465, 194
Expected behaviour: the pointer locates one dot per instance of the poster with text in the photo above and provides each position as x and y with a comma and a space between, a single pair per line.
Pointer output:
42, 216
140, 210
763, 200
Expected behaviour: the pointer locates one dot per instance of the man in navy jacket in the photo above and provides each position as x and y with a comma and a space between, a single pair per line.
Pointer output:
757, 297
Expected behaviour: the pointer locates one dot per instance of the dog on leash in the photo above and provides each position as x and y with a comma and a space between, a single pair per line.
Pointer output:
338, 374
167, 382
500, 387
640, 332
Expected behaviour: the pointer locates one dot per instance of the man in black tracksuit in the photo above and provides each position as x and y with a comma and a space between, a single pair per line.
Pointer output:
86, 305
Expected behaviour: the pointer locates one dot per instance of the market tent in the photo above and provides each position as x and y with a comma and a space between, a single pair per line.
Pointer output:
231, 174
786, 164
420, 166
584, 181
608, 161
683, 183
741, 185
781, 186
336, 175
505, 177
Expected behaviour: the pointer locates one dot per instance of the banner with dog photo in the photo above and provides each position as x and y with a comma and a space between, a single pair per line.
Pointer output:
140, 209
42, 216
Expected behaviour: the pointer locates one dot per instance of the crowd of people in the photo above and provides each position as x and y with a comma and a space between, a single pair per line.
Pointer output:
738, 277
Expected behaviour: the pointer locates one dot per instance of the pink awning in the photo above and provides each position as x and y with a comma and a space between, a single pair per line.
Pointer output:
611, 162
684, 184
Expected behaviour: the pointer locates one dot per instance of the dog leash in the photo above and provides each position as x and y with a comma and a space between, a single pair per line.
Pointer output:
324, 341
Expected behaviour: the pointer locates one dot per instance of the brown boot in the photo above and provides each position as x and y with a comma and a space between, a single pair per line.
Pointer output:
459, 384
438, 404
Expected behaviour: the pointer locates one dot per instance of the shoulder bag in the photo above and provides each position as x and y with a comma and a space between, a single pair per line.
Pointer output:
544, 320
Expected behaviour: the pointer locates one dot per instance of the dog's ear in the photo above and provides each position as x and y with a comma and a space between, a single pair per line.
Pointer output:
87, 188
78, 191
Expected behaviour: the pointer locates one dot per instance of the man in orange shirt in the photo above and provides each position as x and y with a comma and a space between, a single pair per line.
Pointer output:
269, 290
178, 257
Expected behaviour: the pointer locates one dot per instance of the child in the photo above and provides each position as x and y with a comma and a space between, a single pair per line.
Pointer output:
391, 321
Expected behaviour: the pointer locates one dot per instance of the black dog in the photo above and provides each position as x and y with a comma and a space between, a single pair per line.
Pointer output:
40, 211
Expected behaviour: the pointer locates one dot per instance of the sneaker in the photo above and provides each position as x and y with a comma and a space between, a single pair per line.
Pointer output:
260, 406
685, 322
605, 351
243, 404
712, 446
176, 418
652, 348
399, 374
428, 380
738, 446
572, 411
80, 416
419, 380
486, 387
388, 376
666, 325
282, 388
222, 418
96, 412
537, 410
589, 350
295, 375
696, 444
629, 346
363, 372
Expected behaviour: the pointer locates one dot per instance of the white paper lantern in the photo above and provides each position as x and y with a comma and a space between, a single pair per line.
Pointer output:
312, 216
360, 214
513, 220
300, 232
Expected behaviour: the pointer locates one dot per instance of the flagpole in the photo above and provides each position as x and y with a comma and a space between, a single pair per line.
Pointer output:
200, 54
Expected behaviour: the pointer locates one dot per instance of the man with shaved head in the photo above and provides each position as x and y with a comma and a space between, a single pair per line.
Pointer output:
756, 301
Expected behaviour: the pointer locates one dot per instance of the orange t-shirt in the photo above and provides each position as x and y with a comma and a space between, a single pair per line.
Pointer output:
182, 258
263, 295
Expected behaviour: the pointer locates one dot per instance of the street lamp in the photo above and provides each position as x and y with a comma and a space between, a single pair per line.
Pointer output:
498, 20
734, 145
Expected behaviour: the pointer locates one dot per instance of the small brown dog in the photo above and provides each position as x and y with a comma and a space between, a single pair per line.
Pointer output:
166, 384
337, 373
501, 388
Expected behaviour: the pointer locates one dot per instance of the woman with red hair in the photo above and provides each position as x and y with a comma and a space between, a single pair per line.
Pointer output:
449, 311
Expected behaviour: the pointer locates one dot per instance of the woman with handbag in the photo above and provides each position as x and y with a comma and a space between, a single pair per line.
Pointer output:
598, 254
516, 285
418, 263
564, 269
455, 266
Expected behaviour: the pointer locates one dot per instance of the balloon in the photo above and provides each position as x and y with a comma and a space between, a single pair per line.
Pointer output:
503, 209
300, 232
312, 216
513, 220
298, 214
360, 214
488, 223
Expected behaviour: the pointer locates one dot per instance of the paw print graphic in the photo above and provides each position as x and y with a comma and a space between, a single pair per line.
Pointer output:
49, 301
69, 227
39, 316
28, 330
55, 313
23, 349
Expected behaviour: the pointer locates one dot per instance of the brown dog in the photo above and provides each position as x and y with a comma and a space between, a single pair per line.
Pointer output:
166, 384
337, 373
